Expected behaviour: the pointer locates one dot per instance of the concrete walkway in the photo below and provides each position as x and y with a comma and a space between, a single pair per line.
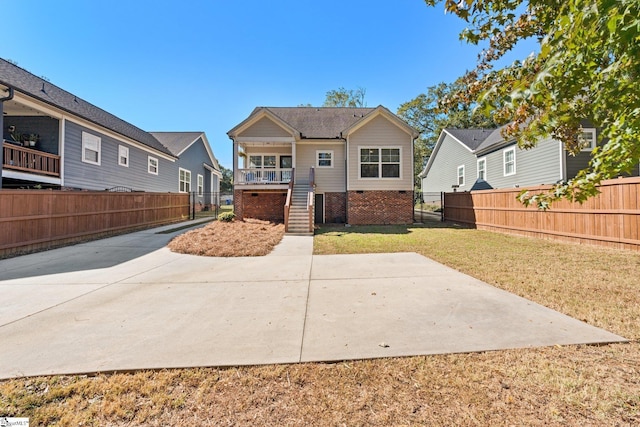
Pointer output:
128, 303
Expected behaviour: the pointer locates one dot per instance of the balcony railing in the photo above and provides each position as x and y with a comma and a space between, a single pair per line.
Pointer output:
263, 176
29, 160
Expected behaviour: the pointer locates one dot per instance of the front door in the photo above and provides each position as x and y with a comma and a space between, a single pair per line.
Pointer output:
319, 209
286, 162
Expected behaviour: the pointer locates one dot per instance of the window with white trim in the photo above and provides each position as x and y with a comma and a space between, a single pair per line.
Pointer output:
123, 156
380, 162
509, 161
185, 180
461, 175
152, 165
90, 148
324, 158
482, 169
259, 161
200, 185
587, 139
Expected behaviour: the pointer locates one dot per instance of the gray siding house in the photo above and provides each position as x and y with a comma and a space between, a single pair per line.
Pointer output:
481, 159
54, 139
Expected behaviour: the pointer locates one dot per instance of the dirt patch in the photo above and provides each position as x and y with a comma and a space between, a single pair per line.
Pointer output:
250, 237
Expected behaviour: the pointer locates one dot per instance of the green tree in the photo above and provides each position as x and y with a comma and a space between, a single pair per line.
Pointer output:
588, 67
226, 183
345, 98
426, 115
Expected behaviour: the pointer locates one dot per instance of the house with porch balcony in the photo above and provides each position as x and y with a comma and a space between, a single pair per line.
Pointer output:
306, 165
54, 139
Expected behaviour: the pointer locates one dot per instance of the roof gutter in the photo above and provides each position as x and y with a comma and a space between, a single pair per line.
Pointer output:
2, 100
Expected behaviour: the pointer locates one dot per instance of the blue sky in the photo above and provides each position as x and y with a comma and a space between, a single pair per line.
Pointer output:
203, 65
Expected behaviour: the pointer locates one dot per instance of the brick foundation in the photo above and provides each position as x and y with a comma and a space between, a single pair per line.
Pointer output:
265, 205
380, 207
335, 205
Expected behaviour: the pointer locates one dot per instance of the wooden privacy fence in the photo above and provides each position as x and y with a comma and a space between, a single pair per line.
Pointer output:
39, 219
610, 219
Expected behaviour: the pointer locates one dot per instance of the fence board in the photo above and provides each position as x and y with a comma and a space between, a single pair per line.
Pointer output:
611, 219
34, 219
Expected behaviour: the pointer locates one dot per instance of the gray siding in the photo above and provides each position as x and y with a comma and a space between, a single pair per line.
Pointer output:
78, 174
193, 160
444, 169
327, 180
539, 165
380, 132
264, 128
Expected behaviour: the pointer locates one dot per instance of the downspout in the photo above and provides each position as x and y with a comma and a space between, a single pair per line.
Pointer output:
2, 100
346, 181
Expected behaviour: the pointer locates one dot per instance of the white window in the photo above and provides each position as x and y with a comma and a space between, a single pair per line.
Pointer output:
259, 161
509, 160
482, 169
90, 148
152, 165
461, 175
123, 156
587, 139
324, 158
185, 181
380, 162
200, 185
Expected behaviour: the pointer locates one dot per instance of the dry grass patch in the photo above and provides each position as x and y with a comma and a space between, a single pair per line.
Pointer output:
250, 237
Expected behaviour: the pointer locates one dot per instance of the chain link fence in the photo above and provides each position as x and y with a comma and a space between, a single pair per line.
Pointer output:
428, 206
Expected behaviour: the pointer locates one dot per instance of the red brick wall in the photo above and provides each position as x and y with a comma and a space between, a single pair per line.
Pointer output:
265, 205
237, 203
380, 207
335, 205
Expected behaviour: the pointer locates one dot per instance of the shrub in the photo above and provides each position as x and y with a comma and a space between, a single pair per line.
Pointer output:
226, 217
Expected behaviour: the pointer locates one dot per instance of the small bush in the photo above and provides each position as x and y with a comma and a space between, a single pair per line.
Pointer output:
226, 217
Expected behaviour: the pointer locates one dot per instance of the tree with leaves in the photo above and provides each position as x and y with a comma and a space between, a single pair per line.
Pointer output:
425, 115
588, 67
345, 98
226, 183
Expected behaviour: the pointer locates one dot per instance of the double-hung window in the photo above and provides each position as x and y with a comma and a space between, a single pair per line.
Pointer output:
324, 158
185, 180
200, 185
90, 148
380, 162
123, 156
509, 161
482, 169
152, 165
260, 161
587, 139
460, 175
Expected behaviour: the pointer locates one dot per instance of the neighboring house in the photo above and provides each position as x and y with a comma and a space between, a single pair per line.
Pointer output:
360, 162
198, 169
481, 159
80, 146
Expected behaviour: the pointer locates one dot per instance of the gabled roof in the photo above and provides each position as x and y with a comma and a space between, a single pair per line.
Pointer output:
28, 84
319, 122
179, 142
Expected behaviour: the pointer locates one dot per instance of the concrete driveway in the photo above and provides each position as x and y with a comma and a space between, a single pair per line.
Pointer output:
129, 303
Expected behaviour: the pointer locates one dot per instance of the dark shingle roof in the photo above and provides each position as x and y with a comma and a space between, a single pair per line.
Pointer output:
319, 122
478, 139
24, 82
176, 141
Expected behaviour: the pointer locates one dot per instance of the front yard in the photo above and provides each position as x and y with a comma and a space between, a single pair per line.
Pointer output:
574, 385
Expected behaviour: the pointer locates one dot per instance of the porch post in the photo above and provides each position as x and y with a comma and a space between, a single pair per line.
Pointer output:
293, 159
6, 98
235, 162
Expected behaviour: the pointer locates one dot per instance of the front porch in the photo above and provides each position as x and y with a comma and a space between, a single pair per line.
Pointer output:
29, 160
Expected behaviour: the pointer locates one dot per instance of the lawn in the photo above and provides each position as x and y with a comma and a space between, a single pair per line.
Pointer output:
572, 385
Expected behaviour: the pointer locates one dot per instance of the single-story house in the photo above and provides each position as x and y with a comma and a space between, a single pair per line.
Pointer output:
54, 139
481, 159
341, 165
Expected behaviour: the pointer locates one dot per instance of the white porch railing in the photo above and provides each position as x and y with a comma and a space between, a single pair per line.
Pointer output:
263, 176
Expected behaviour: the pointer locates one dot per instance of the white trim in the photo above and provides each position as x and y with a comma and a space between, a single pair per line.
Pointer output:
61, 141
213, 170
149, 159
504, 161
186, 181
8, 173
331, 159
125, 149
593, 133
262, 156
380, 148
563, 162
484, 160
458, 176
264, 139
88, 141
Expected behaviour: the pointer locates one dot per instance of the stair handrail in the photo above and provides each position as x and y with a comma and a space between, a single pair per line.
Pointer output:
287, 204
311, 197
